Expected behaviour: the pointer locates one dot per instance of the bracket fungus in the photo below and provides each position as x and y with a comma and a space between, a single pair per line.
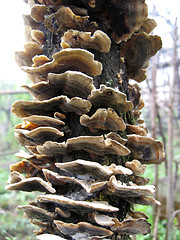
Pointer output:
75, 59
65, 19
28, 108
137, 53
76, 39
86, 147
105, 119
92, 144
109, 97
19, 182
24, 58
70, 83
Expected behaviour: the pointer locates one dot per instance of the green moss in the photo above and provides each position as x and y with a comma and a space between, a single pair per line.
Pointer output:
130, 118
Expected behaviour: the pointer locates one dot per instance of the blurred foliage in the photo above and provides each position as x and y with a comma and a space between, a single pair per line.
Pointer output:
13, 225
8, 120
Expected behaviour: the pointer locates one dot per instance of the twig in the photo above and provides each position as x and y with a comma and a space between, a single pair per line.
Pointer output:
155, 232
5, 92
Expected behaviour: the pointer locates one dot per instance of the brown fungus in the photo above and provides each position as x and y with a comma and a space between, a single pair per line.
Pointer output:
77, 59
96, 145
137, 53
76, 39
28, 108
88, 185
38, 36
70, 83
148, 26
24, 58
34, 212
22, 167
43, 121
136, 167
125, 191
109, 97
40, 135
146, 149
18, 182
38, 12
121, 18
65, 19
133, 226
145, 200
84, 229
104, 119
84, 167
40, 60
29, 21
136, 129
39, 160
73, 205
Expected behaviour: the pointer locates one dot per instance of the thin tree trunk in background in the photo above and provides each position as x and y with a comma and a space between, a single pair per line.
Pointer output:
153, 133
162, 134
170, 192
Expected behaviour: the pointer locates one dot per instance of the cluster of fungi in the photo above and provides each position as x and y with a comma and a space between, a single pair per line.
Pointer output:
86, 147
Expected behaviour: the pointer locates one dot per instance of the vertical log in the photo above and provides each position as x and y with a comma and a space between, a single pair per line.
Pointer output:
170, 192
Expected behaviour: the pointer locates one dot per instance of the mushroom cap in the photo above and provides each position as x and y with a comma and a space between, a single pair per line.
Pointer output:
76, 39
83, 167
38, 36
29, 21
39, 135
136, 167
116, 137
122, 19
137, 129
77, 205
24, 58
146, 149
104, 119
133, 226
38, 213
18, 182
42, 121
28, 108
58, 180
82, 229
137, 53
148, 26
70, 83
128, 191
38, 12
64, 19
22, 167
109, 97
35, 158
75, 59
92, 144
145, 200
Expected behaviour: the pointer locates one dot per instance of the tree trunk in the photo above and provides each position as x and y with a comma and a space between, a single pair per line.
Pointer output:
170, 188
